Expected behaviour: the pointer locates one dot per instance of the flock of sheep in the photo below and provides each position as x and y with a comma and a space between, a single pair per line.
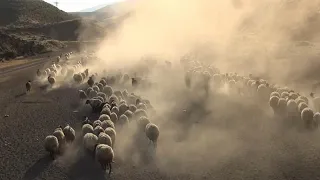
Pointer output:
107, 97
116, 110
289, 106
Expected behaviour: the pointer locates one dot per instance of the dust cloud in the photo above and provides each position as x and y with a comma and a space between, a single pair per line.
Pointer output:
262, 37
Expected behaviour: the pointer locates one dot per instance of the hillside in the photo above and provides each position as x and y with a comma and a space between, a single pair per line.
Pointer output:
30, 27
13, 12
71, 30
13, 45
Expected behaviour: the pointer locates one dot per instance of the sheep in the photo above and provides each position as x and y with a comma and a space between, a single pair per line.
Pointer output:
115, 109
106, 111
97, 130
118, 94
142, 122
293, 95
77, 78
104, 155
112, 133
103, 95
107, 90
103, 117
96, 88
305, 99
139, 113
125, 93
39, 73
103, 82
61, 138
123, 120
69, 133
129, 114
104, 138
302, 106
113, 98
316, 119
82, 95
86, 128
51, 144
114, 117
96, 105
28, 86
100, 86
142, 106
123, 108
132, 108
96, 123
51, 80
89, 141
307, 117
152, 132
107, 123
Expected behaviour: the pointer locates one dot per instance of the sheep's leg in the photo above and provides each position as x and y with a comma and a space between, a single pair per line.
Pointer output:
103, 166
52, 155
110, 169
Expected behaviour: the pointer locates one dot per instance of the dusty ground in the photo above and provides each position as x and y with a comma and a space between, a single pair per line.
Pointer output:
267, 153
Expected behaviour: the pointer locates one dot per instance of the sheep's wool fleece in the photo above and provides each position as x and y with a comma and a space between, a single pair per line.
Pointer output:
89, 141
104, 152
51, 143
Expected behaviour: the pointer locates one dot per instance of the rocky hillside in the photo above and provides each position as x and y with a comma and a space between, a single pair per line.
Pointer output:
13, 12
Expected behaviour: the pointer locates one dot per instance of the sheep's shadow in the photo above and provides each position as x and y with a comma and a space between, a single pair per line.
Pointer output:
21, 94
86, 168
34, 171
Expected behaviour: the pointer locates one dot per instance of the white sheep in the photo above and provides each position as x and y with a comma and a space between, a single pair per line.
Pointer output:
139, 113
103, 117
132, 108
302, 106
123, 120
51, 144
51, 80
107, 90
69, 133
96, 88
307, 118
152, 132
107, 123
104, 138
142, 106
275, 94
123, 108
96, 123
143, 122
115, 109
114, 117
87, 128
58, 132
106, 110
112, 133
129, 114
89, 141
316, 119
97, 130
104, 155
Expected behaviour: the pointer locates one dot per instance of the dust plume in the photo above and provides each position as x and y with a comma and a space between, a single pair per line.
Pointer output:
244, 36
235, 33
